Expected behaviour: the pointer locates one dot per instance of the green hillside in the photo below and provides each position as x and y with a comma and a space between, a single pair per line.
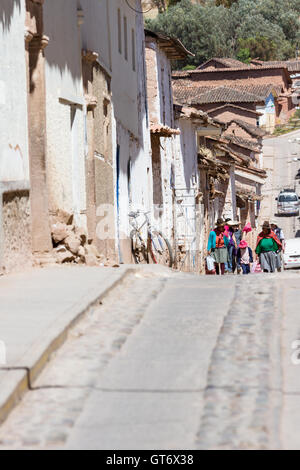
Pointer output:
242, 29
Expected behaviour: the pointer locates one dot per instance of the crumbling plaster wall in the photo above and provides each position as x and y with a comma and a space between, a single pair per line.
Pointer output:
164, 74
104, 165
152, 80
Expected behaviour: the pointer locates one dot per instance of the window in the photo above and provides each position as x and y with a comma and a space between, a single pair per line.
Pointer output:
125, 38
133, 49
119, 31
288, 198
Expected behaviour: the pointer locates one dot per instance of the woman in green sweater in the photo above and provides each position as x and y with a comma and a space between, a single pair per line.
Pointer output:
268, 245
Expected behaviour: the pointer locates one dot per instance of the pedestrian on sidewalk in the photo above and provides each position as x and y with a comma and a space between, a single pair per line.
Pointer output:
217, 246
267, 247
228, 266
279, 233
235, 238
245, 257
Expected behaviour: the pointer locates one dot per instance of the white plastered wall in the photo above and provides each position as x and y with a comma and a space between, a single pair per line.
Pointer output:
65, 129
14, 161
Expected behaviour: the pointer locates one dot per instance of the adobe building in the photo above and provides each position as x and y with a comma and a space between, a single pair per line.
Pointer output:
271, 83
230, 111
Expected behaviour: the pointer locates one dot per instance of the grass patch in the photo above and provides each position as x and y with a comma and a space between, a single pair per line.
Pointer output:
292, 125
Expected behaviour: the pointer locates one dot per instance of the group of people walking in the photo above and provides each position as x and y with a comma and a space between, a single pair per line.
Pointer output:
229, 251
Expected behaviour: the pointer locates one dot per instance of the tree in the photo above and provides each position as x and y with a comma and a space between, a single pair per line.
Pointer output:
205, 30
244, 29
244, 55
258, 46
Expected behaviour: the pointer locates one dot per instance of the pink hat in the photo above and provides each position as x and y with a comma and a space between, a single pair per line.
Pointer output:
247, 228
243, 244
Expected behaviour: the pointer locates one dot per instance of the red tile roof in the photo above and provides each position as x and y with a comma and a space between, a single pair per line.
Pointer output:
187, 91
248, 144
234, 106
292, 65
279, 65
226, 61
163, 131
188, 112
203, 95
173, 47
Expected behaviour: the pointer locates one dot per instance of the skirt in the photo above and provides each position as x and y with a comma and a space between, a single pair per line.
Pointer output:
221, 255
269, 261
279, 260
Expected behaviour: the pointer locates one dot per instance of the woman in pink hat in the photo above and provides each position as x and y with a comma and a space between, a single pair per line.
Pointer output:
244, 256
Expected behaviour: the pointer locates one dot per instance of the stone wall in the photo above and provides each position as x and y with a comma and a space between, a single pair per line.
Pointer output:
16, 226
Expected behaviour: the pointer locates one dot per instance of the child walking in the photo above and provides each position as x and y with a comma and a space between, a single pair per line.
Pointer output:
244, 257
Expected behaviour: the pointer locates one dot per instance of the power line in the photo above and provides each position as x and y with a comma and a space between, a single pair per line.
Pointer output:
138, 11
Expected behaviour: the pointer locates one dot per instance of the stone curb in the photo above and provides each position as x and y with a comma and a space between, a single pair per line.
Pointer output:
16, 381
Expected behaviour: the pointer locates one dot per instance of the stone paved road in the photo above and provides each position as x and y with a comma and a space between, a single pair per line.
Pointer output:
172, 361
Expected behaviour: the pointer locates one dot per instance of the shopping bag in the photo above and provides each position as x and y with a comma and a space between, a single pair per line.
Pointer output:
256, 268
210, 265
210, 262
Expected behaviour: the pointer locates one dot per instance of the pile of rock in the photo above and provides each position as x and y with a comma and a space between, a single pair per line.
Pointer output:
70, 243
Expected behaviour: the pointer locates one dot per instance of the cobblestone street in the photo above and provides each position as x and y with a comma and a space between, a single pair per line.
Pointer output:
173, 361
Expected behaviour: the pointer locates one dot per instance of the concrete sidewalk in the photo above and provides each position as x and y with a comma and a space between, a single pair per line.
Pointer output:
37, 308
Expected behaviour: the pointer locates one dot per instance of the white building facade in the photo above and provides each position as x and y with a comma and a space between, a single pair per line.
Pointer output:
74, 133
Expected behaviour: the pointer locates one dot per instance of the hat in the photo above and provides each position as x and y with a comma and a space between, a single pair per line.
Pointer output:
232, 223
243, 244
267, 225
220, 223
247, 228
273, 222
